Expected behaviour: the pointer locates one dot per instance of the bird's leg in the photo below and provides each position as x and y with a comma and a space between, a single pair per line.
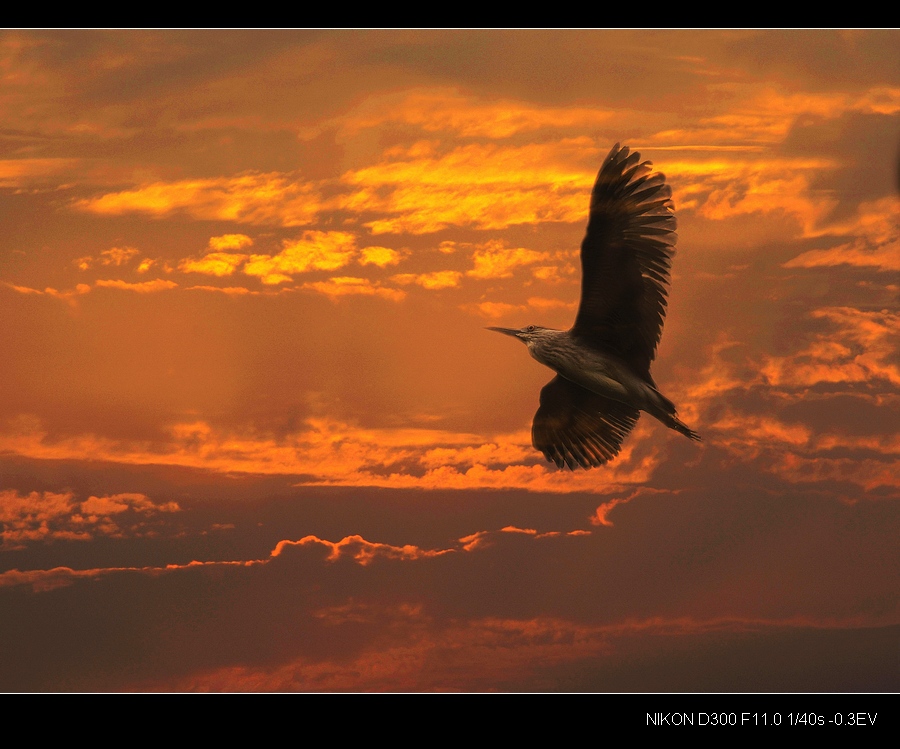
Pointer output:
673, 422
664, 410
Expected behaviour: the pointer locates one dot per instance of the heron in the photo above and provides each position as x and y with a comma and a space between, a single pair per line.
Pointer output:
602, 363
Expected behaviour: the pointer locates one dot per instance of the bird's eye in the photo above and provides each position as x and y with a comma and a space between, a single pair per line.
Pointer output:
530, 328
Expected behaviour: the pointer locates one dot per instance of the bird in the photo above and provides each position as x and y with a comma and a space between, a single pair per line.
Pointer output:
602, 363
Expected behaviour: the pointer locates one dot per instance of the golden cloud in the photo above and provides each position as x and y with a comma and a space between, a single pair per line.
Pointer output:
380, 256
52, 516
718, 377
362, 551
66, 295
601, 515
498, 310
868, 473
252, 198
446, 110
414, 189
17, 173
862, 347
117, 255
719, 189
213, 264
484, 187
886, 444
355, 548
494, 310
495, 260
858, 253
58, 577
23, 289
338, 454
230, 290
142, 287
147, 263
113, 256
766, 115
227, 242
315, 250
877, 244
349, 286
439, 279
546, 273
747, 429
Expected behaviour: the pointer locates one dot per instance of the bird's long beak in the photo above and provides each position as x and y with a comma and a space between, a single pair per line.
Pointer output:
506, 331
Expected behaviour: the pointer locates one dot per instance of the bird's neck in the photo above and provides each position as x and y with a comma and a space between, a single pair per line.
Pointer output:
551, 349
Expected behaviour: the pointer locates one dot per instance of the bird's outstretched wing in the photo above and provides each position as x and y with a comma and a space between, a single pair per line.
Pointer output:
625, 260
575, 427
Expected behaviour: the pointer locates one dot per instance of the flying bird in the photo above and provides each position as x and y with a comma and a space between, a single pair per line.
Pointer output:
603, 377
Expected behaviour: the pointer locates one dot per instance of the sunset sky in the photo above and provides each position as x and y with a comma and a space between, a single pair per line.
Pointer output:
254, 436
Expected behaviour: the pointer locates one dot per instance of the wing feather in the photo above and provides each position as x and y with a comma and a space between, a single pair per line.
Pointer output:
574, 427
626, 257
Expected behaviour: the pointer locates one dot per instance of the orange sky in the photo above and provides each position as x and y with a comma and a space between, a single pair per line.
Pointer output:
243, 284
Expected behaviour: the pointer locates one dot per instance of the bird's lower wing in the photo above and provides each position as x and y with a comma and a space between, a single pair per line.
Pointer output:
575, 427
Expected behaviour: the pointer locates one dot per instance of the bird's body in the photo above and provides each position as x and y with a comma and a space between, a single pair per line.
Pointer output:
603, 362
583, 365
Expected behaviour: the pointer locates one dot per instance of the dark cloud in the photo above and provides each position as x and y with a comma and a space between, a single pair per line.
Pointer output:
734, 569
147, 63
768, 660
822, 59
550, 66
863, 145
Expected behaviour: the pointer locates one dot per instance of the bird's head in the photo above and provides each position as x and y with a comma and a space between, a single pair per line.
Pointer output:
530, 335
